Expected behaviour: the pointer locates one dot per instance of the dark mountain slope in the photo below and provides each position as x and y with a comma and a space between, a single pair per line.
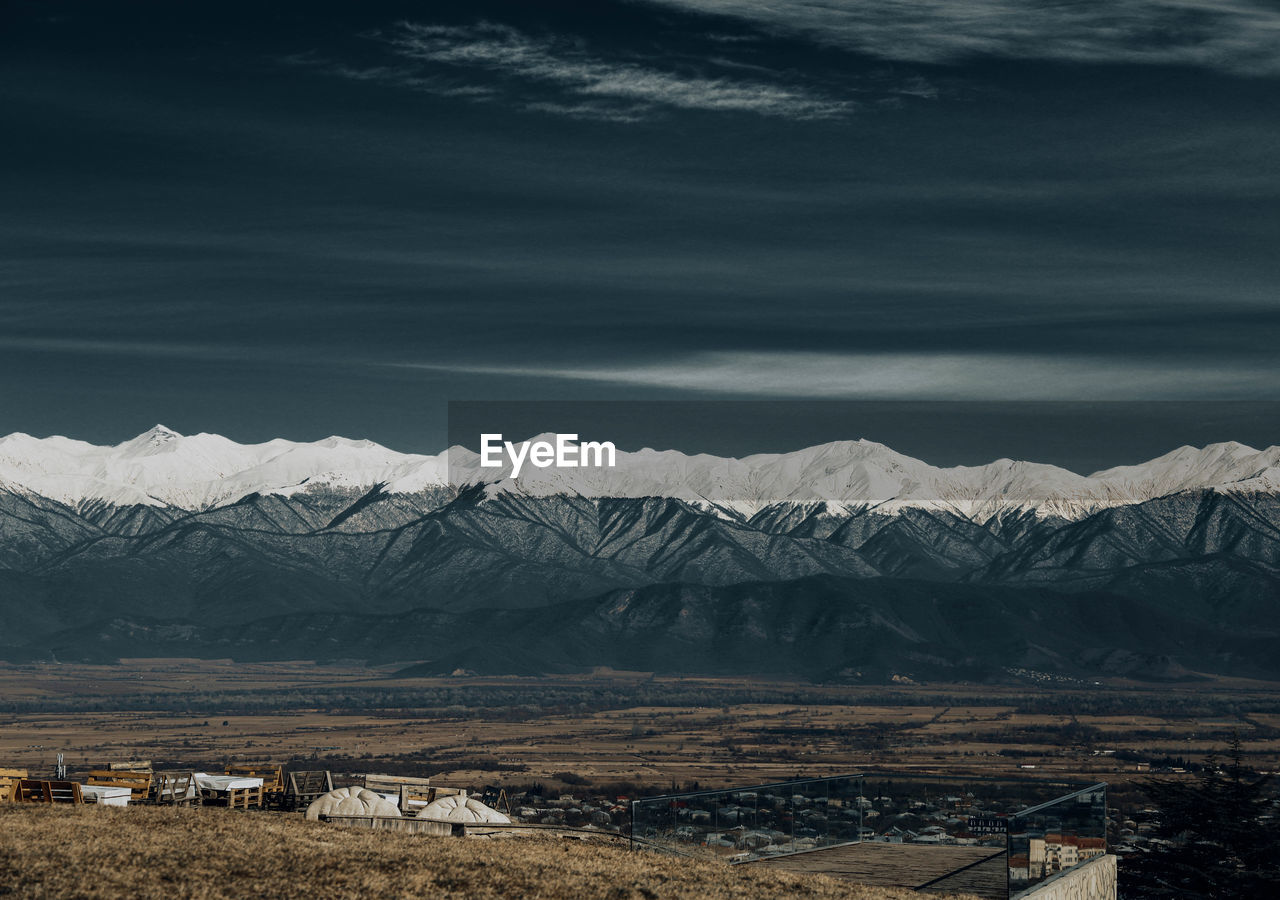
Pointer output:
1028, 586
821, 627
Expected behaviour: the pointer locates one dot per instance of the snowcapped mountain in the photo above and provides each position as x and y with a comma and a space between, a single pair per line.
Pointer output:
165, 469
1224, 466
846, 552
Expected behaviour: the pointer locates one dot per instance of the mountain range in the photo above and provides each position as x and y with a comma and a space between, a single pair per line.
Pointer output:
847, 559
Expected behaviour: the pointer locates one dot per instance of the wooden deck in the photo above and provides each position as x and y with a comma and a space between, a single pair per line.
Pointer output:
935, 869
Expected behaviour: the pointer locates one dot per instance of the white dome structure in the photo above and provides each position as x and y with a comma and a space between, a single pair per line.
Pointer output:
461, 808
351, 801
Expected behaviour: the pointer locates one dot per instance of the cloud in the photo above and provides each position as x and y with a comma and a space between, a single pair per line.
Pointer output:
1007, 376
1237, 36
585, 85
157, 348
597, 111
395, 76
401, 77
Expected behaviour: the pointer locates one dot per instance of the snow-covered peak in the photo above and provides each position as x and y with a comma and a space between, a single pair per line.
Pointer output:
1190, 467
156, 436
851, 475
195, 472
161, 467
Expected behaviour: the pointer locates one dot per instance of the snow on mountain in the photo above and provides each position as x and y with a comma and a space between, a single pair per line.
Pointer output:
163, 468
1217, 465
842, 474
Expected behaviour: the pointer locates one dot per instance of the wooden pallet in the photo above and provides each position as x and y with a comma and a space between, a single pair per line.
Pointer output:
244, 798
174, 789
301, 788
138, 783
496, 798
233, 798
273, 783
35, 791
407, 788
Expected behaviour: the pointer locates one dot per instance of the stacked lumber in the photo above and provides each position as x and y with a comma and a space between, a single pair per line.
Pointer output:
130, 765
9, 779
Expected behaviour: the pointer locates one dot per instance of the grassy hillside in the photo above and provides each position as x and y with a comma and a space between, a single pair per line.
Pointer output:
208, 853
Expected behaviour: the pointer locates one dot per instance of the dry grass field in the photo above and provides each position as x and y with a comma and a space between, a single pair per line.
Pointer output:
99, 852
603, 734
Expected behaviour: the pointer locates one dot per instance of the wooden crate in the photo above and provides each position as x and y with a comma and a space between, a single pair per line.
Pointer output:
35, 791
138, 783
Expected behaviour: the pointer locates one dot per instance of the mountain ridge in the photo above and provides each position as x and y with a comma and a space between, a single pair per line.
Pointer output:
161, 468
333, 548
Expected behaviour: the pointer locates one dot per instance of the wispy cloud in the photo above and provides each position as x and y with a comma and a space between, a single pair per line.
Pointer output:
1237, 36
588, 110
402, 77
568, 80
396, 76
914, 375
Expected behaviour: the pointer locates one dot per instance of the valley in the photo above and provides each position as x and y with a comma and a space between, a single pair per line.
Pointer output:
633, 732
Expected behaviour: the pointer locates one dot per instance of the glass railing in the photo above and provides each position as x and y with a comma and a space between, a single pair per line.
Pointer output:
1051, 837
753, 823
953, 829
987, 836
946, 810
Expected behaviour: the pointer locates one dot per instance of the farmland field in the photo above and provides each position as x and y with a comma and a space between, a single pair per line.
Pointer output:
615, 728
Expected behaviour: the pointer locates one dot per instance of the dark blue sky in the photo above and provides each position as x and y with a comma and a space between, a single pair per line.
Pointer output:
265, 221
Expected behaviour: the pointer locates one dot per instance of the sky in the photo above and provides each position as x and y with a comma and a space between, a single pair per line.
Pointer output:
308, 219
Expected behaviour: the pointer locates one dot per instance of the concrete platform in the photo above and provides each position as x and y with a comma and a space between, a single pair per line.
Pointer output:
935, 869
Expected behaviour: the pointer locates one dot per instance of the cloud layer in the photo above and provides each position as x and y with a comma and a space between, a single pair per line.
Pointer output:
950, 376
561, 77
1236, 36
